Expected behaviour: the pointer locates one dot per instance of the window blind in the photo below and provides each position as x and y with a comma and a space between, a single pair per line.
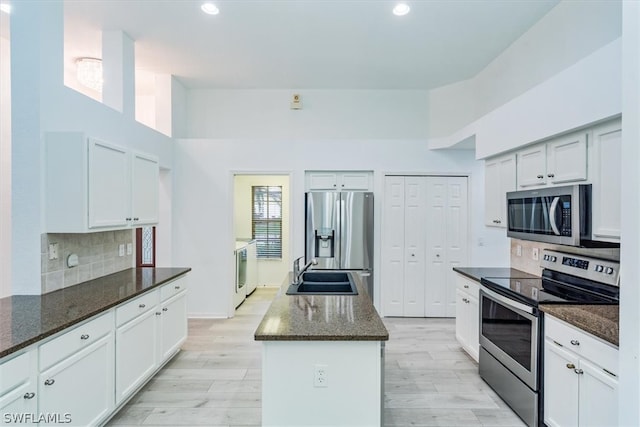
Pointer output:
267, 220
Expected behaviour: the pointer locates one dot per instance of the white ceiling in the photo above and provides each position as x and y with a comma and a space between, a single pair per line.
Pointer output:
307, 44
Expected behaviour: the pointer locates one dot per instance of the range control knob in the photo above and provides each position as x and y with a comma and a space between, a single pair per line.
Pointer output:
546, 257
609, 270
599, 268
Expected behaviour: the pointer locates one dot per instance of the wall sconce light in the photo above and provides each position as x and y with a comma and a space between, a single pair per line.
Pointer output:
89, 73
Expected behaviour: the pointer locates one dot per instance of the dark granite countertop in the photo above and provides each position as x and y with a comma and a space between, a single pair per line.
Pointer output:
603, 321
321, 317
477, 273
27, 319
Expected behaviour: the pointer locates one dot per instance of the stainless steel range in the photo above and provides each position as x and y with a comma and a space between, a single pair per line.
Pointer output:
511, 331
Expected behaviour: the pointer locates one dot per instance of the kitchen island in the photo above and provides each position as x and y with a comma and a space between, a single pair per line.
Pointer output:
322, 360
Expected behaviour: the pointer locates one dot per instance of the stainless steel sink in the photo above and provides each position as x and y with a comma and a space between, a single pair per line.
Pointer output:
324, 283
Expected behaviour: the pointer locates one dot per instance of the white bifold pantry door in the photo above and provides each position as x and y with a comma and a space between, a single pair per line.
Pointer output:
425, 233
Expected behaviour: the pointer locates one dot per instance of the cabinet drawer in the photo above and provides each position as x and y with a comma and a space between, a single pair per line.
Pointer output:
136, 307
173, 288
582, 343
468, 286
70, 342
14, 372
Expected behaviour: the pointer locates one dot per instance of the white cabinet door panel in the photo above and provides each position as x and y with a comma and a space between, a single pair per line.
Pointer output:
567, 159
436, 241
145, 188
531, 166
560, 386
597, 386
109, 188
607, 180
173, 325
81, 386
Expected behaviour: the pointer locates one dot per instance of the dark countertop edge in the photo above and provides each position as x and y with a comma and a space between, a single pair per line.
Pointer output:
23, 345
472, 272
324, 337
350, 338
551, 309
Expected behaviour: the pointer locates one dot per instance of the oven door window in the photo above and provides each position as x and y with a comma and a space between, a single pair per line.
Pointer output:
535, 215
508, 330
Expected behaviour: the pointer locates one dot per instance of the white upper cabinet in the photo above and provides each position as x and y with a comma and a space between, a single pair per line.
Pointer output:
145, 189
604, 164
339, 181
109, 188
532, 166
92, 185
559, 161
567, 159
499, 178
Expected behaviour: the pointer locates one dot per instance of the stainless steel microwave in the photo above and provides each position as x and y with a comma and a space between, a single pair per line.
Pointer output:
560, 215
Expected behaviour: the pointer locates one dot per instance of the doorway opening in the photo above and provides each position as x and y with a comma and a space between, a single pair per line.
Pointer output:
261, 230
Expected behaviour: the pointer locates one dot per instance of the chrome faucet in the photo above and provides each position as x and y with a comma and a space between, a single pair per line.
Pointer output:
297, 271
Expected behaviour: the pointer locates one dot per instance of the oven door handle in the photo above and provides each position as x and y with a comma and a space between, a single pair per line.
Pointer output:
508, 301
552, 215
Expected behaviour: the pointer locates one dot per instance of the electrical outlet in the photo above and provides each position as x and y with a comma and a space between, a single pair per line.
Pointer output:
320, 376
121, 250
53, 250
129, 248
518, 250
535, 254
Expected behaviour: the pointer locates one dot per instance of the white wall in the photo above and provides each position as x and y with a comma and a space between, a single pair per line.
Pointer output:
629, 390
569, 32
5, 168
203, 198
271, 272
264, 114
41, 103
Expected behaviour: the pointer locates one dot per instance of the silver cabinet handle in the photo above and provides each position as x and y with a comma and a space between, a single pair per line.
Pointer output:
551, 175
177, 287
158, 313
571, 366
29, 395
128, 219
165, 309
578, 371
437, 255
413, 254
50, 381
540, 176
84, 336
466, 286
136, 219
575, 342
142, 306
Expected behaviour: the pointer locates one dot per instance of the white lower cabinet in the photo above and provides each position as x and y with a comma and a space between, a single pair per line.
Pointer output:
136, 354
75, 381
173, 324
79, 390
18, 390
467, 315
579, 370
150, 329
80, 377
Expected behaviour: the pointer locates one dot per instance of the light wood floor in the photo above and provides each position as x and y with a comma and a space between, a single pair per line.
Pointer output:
215, 379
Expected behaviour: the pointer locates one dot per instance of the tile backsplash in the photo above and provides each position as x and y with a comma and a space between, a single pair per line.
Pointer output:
526, 263
97, 257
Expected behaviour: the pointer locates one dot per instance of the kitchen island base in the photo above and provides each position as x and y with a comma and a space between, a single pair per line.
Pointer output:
322, 383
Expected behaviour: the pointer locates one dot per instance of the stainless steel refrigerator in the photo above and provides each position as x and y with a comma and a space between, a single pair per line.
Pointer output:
339, 232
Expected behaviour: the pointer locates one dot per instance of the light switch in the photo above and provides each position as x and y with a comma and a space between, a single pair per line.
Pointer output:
129, 248
121, 250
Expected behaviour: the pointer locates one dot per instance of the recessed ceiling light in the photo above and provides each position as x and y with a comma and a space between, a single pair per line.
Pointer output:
210, 9
5, 7
401, 9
